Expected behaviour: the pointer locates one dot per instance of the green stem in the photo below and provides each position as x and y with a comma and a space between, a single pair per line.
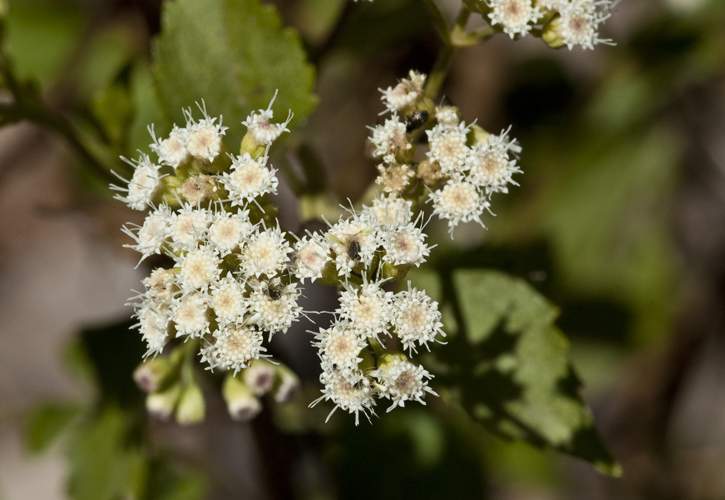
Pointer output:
442, 65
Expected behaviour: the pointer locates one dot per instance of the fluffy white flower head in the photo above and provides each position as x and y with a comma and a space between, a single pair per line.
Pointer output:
266, 253
448, 147
405, 245
458, 201
405, 93
262, 129
404, 381
491, 166
354, 241
188, 227
390, 210
416, 318
199, 269
228, 231
249, 179
339, 347
227, 300
312, 254
233, 348
515, 16
203, 138
142, 186
190, 315
154, 328
367, 308
351, 394
390, 139
275, 305
172, 150
152, 235
579, 22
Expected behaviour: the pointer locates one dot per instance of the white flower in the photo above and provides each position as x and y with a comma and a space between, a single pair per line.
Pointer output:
416, 318
161, 287
367, 308
390, 139
229, 231
404, 381
448, 147
228, 301
405, 93
447, 116
490, 165
312, 254
354, 241
340, 347
515, 16
203, 138
405, 245
352, 394
233, 348
188, 227
458, 201
259, 126
150, 237
154, 328
390, 210
199, 269
249, 179
172, 150
190, 314
265, 254
274, 306
143, 183
580, 20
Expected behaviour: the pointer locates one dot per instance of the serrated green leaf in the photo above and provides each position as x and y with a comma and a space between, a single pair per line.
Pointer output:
45, 423
233, 54
510, 369
104, 466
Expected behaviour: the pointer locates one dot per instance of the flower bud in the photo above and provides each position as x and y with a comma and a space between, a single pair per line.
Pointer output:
260, 376
242, 404
287, 386
388, 359
551, 34
161, 404
156, 374
191, 408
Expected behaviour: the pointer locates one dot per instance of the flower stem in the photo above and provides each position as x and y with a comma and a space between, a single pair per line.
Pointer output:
442, 65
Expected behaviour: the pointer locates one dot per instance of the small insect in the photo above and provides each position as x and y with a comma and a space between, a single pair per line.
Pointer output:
273, 293
353, 251
416, 120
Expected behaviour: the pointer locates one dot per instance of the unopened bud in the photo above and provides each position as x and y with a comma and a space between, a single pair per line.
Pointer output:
260, 376
241, 403
156, 374
287, 386
388, 359
551, 34
191, 408
161, 404
477, 134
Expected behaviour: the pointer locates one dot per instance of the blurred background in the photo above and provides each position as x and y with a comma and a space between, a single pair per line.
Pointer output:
619, 221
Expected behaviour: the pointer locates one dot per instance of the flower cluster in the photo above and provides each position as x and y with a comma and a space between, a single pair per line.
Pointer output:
363, 252
464, 165
230, 281
234, 275
564, 22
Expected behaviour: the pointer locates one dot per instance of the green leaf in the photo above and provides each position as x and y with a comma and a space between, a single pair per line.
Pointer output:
509, 367
46, 422
233, 54
104, 465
